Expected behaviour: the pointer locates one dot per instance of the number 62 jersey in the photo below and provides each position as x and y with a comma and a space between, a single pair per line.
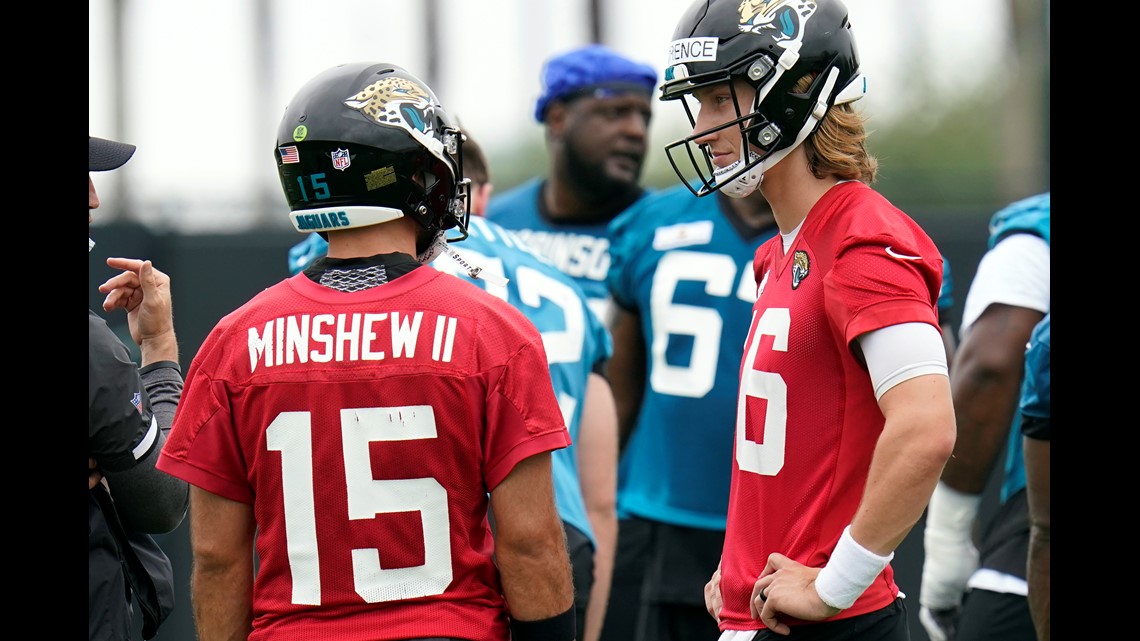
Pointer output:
366, 429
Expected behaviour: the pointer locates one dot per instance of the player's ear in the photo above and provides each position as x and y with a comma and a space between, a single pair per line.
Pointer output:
556, 118
480, 196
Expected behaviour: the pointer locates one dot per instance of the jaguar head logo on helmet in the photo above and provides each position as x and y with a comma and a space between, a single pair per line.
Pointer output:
757, 54
366, 143
395, 101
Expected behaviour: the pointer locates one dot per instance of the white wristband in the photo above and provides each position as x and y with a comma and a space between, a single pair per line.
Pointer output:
951, 511
850, 571
948, 547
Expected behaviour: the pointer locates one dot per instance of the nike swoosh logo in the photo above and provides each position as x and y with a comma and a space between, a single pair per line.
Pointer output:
894, 253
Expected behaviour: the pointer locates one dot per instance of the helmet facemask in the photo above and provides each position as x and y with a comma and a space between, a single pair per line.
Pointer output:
433, 239
761, 135
770, 46
757, 136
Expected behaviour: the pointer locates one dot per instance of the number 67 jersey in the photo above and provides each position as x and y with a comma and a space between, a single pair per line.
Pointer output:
366, 429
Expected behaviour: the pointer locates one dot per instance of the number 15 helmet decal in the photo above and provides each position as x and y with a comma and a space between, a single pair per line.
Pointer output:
365, 143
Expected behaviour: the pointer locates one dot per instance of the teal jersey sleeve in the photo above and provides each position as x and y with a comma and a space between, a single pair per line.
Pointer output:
1035, 388
1026, 216
575, 339
946, 294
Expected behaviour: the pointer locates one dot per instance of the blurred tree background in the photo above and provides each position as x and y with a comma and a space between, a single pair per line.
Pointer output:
971, 152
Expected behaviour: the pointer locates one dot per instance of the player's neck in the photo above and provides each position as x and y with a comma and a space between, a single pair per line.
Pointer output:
395, 236
792, 190
753, 211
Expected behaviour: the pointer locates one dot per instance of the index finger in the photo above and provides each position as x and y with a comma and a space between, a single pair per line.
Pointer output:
775, 562
131, 264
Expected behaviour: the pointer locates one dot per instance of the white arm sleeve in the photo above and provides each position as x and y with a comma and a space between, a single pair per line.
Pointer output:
901, 352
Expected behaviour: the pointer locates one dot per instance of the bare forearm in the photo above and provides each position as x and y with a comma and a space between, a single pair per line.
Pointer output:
163, 347
530, 545
916, 440
1038, 571
605, 532
984, 405
897, 492
986, 383
223, 602
221, 583
537, 581
1037, 467
597, 464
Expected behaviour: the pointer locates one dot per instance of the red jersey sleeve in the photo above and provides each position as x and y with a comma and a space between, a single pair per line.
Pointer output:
203, 448
884, 278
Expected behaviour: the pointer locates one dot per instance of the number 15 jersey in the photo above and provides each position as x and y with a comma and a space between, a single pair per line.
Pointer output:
366, 429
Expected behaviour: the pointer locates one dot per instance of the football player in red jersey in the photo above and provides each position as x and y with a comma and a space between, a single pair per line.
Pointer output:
356, 424
844, 416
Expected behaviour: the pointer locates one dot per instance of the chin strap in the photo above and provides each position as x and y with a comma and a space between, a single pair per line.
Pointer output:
746, 182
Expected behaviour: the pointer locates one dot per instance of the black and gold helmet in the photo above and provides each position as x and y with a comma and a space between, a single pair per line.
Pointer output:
368, 142
770, 44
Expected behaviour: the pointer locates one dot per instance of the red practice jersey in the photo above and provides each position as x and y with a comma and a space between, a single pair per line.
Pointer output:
807, 419
367, 429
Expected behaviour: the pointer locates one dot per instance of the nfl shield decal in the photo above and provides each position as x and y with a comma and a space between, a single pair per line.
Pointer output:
340, 159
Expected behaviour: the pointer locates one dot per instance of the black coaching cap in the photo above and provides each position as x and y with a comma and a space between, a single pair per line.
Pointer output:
108, 154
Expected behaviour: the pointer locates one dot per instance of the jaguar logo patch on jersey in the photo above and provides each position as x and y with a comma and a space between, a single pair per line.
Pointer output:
801, 265
395, 102
784, 17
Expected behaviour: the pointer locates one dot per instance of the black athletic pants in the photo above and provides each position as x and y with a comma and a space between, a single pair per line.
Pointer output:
887, 624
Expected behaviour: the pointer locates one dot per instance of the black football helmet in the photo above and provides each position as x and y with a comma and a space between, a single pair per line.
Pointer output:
368, 142
770, 44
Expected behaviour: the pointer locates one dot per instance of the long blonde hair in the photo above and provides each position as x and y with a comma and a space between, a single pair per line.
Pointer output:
838, 146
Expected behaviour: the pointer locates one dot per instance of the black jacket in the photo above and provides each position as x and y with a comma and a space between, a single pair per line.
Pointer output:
129, 413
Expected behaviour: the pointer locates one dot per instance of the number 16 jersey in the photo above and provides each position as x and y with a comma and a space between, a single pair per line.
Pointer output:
807, 417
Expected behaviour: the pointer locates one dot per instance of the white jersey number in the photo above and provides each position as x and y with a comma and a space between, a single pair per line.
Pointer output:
705, 325
291, 434
765, 458
562, 346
